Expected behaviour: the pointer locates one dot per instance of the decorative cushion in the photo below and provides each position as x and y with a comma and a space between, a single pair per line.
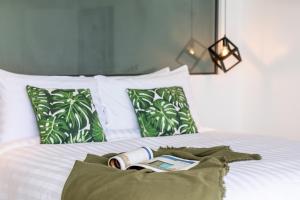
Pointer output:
162, 111
65, 115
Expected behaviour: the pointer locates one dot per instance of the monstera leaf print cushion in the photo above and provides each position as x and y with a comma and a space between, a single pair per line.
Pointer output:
162, 111
65, 115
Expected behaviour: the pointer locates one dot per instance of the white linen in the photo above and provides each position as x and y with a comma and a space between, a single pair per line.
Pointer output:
117, 135
30, 171
122, 134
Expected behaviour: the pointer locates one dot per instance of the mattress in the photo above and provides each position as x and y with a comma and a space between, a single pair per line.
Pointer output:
30, 171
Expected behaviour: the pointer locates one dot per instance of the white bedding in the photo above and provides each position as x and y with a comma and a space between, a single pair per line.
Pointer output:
30, 171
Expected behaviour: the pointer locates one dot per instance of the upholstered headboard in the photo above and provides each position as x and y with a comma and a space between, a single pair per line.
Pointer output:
112, 37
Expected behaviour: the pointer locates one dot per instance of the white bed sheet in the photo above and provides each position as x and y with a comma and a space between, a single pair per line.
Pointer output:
30, 171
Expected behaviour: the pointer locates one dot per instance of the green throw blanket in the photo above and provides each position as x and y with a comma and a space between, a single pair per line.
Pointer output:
92, 179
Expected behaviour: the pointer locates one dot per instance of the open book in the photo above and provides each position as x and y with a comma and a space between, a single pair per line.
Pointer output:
142, 158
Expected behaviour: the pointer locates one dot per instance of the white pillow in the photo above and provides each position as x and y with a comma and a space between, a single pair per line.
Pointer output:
17, 119
159, 72
119, 111
163, 71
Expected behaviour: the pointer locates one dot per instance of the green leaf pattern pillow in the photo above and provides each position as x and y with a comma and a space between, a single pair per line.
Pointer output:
65, 115
162, 111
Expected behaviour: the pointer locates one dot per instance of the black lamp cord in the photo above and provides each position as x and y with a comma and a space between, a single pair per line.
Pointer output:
225, 17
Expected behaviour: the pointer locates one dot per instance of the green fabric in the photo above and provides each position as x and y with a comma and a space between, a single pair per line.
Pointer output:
65, 115
92, 179
162, 111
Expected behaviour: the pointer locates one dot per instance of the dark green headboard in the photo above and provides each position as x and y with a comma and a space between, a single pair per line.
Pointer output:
113, 37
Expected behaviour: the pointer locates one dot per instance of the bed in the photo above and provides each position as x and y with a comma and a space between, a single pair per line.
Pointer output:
29, 170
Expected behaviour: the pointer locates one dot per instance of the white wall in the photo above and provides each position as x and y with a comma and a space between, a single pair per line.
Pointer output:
262, 94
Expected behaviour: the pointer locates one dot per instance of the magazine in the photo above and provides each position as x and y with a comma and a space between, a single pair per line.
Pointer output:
142, 158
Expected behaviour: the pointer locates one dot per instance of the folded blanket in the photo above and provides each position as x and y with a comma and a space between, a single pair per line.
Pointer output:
92, 179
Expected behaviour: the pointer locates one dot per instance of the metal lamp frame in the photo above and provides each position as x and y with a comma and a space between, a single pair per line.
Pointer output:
219, 59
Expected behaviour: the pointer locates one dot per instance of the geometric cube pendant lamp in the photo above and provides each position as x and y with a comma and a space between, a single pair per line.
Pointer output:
224, 53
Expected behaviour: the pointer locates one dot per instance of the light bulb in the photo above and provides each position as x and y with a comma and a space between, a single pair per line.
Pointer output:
192, 51
224, 51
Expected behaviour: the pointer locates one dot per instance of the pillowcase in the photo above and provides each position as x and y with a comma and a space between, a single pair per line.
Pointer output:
119, 112
65, 116
17, 119
162, 111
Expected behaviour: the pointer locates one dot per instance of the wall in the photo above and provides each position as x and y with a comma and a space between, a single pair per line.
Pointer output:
262, 94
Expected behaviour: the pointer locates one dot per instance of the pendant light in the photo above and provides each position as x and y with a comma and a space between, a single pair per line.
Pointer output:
223, 52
